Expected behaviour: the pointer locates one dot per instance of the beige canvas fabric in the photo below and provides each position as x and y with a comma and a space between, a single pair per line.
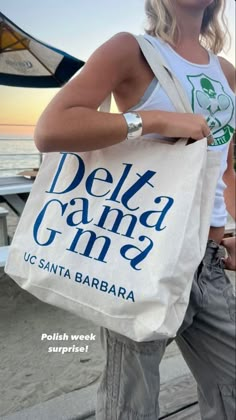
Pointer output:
115, 235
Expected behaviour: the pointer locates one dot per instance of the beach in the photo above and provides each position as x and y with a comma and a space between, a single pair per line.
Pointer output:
31, 373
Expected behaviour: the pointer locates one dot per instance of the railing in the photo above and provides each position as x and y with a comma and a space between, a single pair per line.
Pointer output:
14, 159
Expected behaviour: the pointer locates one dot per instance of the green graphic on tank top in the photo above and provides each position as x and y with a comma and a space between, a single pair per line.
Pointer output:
210, 99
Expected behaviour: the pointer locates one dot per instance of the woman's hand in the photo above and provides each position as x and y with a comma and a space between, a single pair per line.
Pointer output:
173, 124
230, 246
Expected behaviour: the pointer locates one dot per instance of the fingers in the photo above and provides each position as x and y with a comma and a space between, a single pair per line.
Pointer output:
228, 263
203, 130
210, 139
208, 134
224, 243
230, 260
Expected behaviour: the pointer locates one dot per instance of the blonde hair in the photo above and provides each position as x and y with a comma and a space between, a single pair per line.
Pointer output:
162, 23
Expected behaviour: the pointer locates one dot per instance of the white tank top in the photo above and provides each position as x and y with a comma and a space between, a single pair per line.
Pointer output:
210, 95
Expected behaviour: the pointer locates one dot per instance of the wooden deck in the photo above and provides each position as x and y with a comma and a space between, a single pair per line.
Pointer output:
178, 400
178, 394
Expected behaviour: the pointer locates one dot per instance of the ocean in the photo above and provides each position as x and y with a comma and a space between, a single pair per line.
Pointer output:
16, 155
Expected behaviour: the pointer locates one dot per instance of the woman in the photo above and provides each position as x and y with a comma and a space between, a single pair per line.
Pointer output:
130, 384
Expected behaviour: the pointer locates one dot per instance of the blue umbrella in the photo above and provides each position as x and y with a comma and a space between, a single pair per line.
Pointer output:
27, 62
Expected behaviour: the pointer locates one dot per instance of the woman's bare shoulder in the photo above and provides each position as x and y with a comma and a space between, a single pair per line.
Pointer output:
121, 49
123, 41
110, 65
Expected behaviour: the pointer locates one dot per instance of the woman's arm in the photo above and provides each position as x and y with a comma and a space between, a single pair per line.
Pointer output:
230, 177
71, 121
230, 180
229, 72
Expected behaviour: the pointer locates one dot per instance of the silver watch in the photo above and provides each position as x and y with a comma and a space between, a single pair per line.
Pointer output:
134, 124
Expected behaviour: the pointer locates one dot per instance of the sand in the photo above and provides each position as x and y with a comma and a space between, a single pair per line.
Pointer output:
29, 373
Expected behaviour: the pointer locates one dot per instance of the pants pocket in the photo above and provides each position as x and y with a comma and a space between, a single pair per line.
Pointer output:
227, 392
229, 296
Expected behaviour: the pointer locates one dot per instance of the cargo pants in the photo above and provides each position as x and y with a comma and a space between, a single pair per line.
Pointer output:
130, 383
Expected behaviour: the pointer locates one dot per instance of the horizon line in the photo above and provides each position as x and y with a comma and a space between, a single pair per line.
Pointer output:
17, 125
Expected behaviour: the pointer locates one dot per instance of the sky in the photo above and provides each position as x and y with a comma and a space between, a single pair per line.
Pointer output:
77, 27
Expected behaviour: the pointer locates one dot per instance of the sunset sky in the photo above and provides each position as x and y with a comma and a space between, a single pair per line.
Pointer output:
77, 27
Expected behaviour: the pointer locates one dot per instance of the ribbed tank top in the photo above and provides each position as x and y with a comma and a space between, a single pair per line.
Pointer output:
210, 95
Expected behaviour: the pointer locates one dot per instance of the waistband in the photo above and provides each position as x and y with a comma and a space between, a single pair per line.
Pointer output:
214, 253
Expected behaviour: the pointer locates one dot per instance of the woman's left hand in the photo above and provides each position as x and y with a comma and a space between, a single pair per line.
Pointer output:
230, 246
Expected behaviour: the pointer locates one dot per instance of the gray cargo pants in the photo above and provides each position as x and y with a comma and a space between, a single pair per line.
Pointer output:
130, 383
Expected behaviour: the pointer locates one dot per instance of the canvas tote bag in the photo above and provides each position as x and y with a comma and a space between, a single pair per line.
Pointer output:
115, 235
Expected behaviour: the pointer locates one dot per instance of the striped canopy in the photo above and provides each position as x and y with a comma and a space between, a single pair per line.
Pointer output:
27, 62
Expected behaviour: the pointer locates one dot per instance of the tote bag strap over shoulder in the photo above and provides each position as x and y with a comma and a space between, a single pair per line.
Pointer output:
166, 78
168, 81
